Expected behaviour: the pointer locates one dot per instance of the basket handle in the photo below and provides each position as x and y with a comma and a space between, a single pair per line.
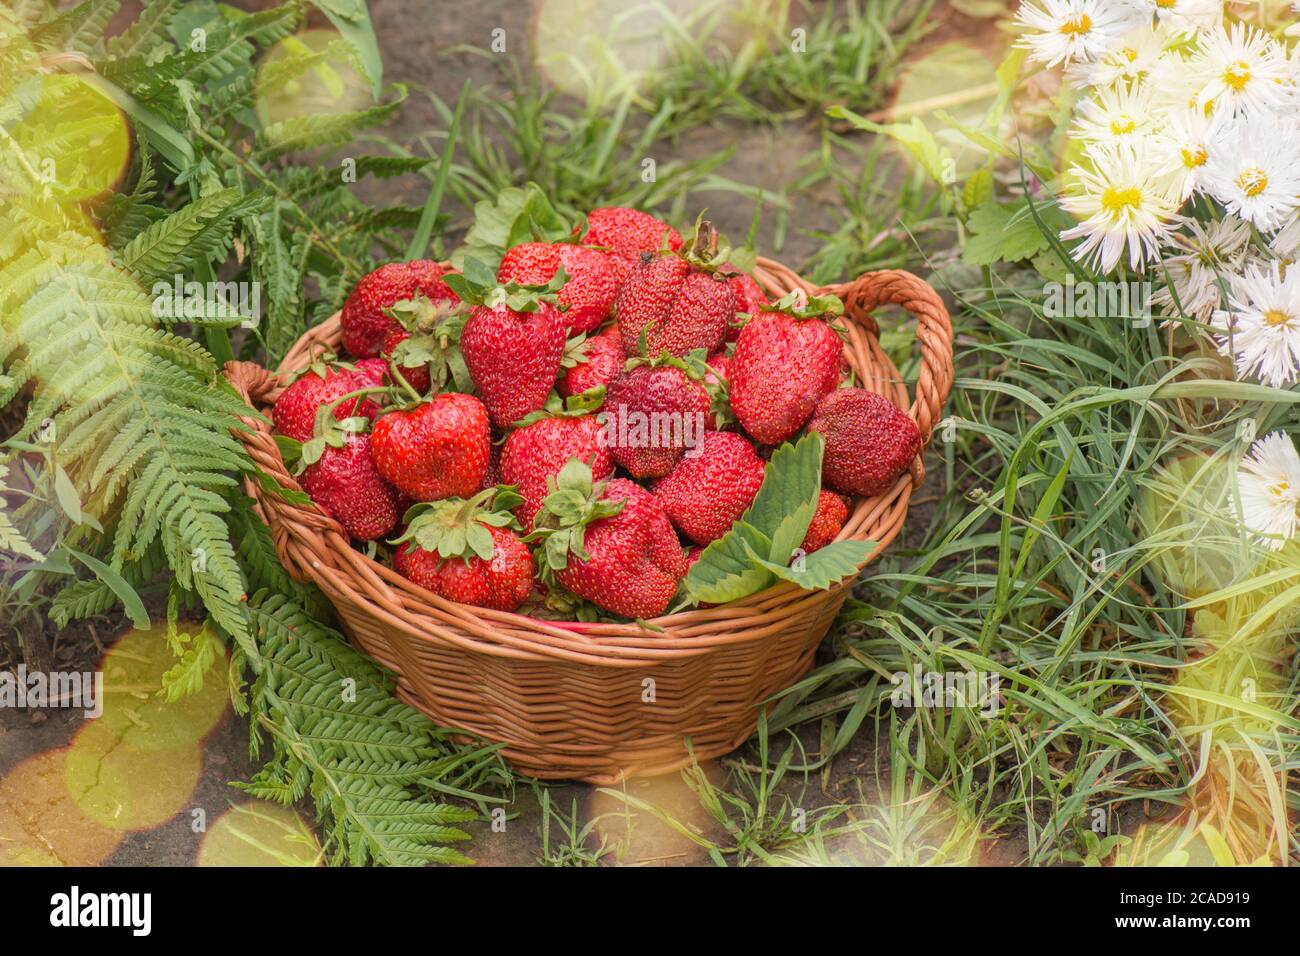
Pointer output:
933, 331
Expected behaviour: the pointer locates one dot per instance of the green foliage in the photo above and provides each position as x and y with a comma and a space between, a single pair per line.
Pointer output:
762, 547
338, 736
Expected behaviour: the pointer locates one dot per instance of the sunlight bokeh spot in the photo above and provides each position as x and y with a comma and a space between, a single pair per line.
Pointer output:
133, 710
126, 788
308, 74
41, 824
75, 140
259, 833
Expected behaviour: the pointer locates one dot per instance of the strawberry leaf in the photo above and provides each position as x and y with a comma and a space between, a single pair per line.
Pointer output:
519, 214
822, 568
727, 571
787, 500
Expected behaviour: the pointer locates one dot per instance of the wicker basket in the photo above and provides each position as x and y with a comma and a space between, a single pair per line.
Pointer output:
600, 702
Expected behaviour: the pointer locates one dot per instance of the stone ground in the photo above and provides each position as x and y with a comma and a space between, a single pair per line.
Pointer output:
44, 754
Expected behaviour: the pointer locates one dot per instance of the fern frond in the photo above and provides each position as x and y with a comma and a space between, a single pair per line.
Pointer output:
148, 32
321, 130
351, 746
90, 344
199, 232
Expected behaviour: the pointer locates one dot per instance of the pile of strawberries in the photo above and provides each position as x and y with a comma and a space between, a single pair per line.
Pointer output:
471, 427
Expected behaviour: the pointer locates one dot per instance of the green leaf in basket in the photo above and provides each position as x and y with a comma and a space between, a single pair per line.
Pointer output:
785, 504
726, 571
822, 568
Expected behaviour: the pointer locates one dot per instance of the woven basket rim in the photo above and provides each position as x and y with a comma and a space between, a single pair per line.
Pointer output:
311, 543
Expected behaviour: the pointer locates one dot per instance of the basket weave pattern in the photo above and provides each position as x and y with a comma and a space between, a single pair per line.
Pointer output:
600, 702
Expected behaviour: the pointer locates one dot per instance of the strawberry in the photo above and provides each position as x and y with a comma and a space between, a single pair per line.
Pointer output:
786, 359
346, 485
827, 521
438, 449
364, 318
599, 361
677, 302
749, 298
534, 455
513, 341
294, 412
594, 278
463, 551
629, 232
711, 488
610, 543
719, 364
655, 411
869, 442
425, 344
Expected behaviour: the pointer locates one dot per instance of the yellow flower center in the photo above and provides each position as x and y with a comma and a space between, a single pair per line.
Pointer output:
1253, 181
1192, 158
1130, 54
1077, 24
1122, 124
1237, 75
1276, 317
1166, 4
1116, 201
1280, 489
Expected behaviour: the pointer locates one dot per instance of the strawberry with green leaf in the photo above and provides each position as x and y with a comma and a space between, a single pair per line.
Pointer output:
435, 448
787, 359
678, 301
594, 278
321, 383
513, 341
425, 347
534, 453
608, 542
655, 409
337, 470
467, 550
365, 320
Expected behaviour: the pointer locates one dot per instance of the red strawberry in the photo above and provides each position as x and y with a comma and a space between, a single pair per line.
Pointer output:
539, 450
513, 342
439, 449
346, 485
654, 413
676, 302
827, 521
749, 298
610, 543
629, 232
294, 412
593, 278
465, 552
604, 361
364, 319
425, 345
711, 487
785, 362
869, 442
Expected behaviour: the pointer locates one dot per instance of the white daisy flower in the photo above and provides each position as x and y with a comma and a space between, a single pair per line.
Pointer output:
1268, 482
1206, 252
1131, 60
1121, 200
1261, 328
1175, 87
1242, 70
1183, 16
1116, 114
1062, 31
1182, 144
1253, 169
